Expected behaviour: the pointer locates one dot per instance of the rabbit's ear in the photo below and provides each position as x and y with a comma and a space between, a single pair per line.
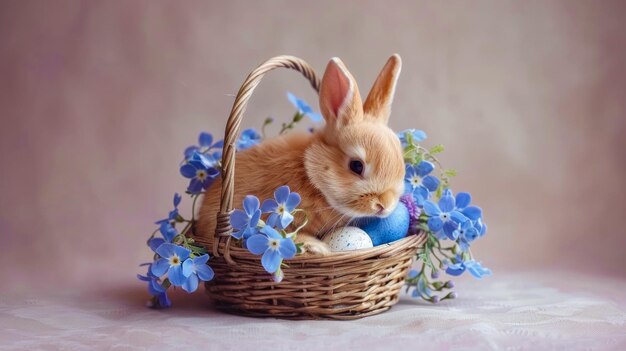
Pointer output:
378, 102
340, 101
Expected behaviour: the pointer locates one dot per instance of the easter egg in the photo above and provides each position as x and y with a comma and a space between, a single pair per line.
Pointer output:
348, 239
385, 230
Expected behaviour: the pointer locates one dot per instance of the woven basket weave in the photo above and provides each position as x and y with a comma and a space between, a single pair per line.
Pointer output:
343, 285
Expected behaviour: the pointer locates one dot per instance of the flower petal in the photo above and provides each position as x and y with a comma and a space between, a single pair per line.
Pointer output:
285, 220
154, 243
476, 269
164, 300
430, 182
166, 250
473, 212
205, 139
269, 205
287, 248
250, 204
200, 260
446, 203
254, 221
188, 171
218, 144
205, 273
188, 267
431, 209
293, 200
189, 151
409, 171
455, 269
293, 99
471, 234
183, 253
176, 276
435, 224
167, 231
463, 200
272, 220
458, 217
159, 267
177, 199
271, 260
424, 168
195, 186
271, 232
191, 284
281, 194
418, 135
451, 228
257, 244
154, 288
239, 219
315, 117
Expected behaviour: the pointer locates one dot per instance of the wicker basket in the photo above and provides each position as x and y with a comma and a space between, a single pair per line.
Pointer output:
343, 285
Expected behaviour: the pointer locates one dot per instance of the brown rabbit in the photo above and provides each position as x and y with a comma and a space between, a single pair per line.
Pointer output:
353, 167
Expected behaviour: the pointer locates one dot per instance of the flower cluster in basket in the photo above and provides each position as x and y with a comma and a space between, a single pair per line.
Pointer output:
450, 222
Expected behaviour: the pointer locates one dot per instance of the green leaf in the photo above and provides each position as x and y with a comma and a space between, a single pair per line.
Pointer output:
436, 149
450, 172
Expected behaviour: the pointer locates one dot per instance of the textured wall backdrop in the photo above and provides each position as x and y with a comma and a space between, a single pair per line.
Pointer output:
99, 98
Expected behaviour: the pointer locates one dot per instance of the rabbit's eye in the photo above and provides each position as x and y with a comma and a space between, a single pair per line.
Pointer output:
356, 166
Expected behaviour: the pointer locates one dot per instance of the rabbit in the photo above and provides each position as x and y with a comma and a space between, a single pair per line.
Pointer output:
352, 167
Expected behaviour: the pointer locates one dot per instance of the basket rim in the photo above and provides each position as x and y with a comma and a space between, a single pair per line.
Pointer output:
388, 249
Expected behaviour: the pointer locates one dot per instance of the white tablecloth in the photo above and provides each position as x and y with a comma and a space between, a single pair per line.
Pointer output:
506, 311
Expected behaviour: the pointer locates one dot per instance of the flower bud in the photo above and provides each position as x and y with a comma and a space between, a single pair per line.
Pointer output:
452, 295
449, 284
434, 299
434, 274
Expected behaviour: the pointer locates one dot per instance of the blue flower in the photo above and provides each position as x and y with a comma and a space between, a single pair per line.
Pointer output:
304, 108
462, 202
201, 172
444, 216
156, 289
169, 233
421, 289
417, 135
476, 269
480, 226
171, 262
280, 207
467, 234
418, 182
245, 222
196, 269
455, 269
171, 218
205, 140
273, 246
248, 139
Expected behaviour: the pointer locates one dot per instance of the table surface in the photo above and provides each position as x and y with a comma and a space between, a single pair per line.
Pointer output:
547, 310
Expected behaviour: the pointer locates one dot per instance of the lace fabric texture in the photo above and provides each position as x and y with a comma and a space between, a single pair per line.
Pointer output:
506, 311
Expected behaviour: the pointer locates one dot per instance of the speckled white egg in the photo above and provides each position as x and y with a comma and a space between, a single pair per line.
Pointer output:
348, 239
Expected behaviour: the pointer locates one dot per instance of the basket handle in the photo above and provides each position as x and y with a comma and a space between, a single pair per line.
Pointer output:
223, 229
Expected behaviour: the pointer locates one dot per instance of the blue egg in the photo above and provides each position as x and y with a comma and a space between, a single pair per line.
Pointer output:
385, 230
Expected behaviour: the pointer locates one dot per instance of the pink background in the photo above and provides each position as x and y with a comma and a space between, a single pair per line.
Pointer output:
99, 98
